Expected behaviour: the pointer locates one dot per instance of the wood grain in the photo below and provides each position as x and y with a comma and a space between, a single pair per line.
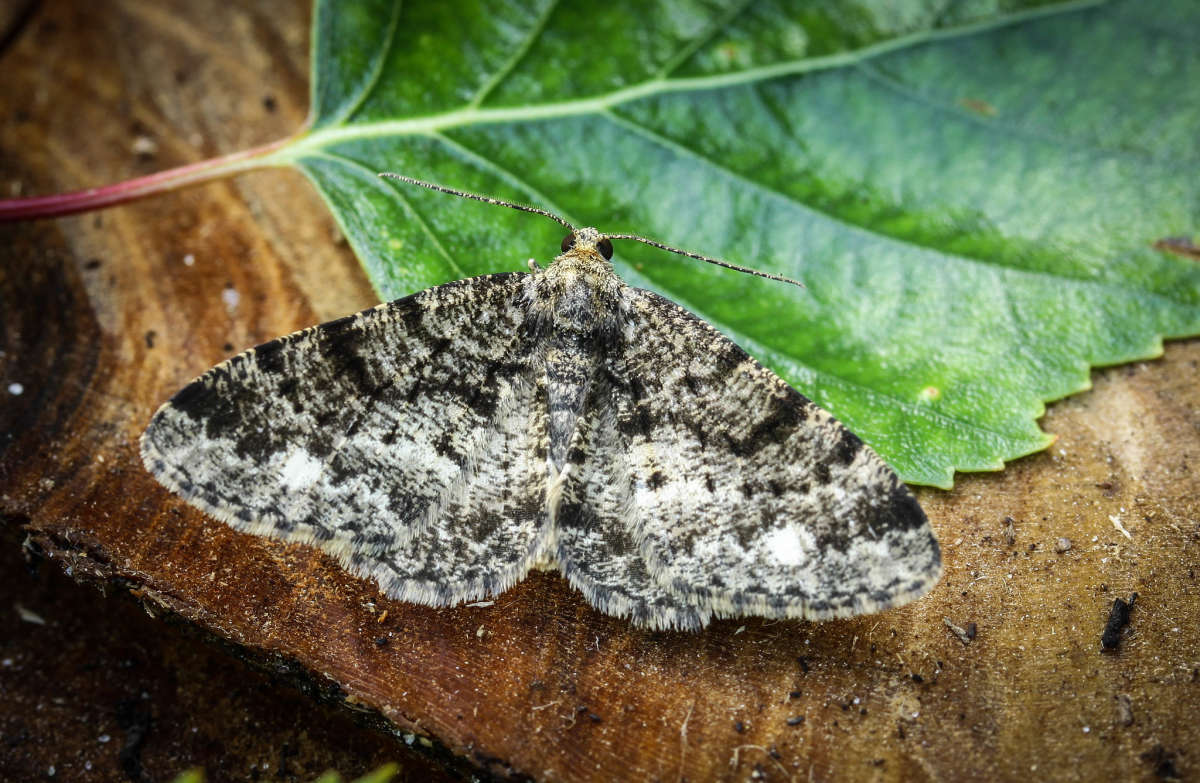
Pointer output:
103, 319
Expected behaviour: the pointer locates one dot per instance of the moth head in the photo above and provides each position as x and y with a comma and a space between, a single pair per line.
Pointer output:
584, 239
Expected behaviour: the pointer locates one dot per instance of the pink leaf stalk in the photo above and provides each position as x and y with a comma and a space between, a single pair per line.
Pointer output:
121, 192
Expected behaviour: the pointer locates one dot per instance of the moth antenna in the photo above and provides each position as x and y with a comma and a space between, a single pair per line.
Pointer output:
569, 227
477, 197
718, 262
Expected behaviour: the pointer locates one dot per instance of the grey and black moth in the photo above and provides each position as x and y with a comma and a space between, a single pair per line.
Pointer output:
446, 443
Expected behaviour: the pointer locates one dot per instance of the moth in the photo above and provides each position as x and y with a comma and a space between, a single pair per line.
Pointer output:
445, 443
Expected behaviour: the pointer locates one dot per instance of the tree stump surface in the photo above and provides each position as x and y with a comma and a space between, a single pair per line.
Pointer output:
106, 315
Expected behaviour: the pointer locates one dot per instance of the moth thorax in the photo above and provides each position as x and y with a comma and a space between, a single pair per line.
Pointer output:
578, 294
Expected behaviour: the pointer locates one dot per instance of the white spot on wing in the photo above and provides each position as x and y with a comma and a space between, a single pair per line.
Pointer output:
301, 470
785, 546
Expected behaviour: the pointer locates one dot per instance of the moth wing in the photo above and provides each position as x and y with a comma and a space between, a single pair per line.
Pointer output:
490, 525
595, 545
747, 498
369, 435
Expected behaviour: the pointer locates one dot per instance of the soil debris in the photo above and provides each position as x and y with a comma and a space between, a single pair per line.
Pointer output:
1118, 618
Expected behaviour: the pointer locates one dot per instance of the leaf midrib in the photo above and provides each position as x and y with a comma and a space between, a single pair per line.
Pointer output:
322, 151
475, 115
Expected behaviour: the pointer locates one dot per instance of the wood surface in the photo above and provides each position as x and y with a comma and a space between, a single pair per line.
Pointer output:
103, 318
139, 698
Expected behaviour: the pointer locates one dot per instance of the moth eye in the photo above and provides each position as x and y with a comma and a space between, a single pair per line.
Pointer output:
568, 242
605, 248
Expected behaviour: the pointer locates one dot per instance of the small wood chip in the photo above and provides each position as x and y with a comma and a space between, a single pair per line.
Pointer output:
1010, 531
1124, 709
963, 635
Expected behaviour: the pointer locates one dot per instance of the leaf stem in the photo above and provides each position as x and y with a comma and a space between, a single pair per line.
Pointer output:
61, 204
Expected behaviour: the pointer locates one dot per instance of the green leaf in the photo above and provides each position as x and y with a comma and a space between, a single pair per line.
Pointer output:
381, 775
971, 199
195, 775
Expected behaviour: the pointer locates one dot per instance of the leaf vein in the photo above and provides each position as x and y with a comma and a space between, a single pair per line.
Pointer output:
761, 351
537, 197
369, 85
991, 123
983, 263
505, 70
680, 57
377, 182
